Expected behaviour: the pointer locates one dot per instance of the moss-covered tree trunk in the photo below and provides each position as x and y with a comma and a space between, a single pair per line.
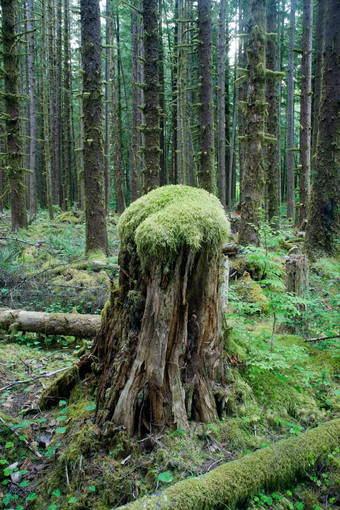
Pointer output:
290, 115
221, 119
119, 178
206, 163
323, 228
253, 177
319, 49
305, 111
160, 345
272, 124
32, 111
45, 113
96, 234
151, 128
12, 110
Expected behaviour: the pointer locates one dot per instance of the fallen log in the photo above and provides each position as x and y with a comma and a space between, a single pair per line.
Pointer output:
68, 324
271, 468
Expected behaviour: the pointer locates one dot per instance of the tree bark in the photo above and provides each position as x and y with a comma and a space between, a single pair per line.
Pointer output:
12, 110
108, 101
272, 178
58, 193
221, 119
319, 50
135, 170
32, 111
96, 233
253, 178
68, 324
151, 129
69, 177
305, 111
117, 124
160, 345
290, 116
45, 113
323, 227
206, 162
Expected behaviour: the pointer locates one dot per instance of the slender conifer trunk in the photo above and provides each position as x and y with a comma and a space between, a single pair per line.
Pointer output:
206, 168
221, 119
273, 113
12, 110
96, 234
151, 129
306, 110
254, 139
290, 115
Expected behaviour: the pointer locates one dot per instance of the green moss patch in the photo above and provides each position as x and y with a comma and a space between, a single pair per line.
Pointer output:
170, 218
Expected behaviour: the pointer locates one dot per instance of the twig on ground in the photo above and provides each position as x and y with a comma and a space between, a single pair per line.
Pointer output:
33, 379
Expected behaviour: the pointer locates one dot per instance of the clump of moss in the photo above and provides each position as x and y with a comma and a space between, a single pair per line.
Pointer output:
251, 292
170, 218
60, 388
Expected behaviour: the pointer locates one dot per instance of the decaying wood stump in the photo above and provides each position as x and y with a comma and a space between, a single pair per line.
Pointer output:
297, 283
160, 344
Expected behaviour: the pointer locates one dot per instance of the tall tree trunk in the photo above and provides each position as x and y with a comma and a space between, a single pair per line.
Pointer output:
240, 94
253, 178
117, 127
52, 67
319, 49
162, 123
96, 234
135, 170
12, 110
151, 149
273, 113
232, 157
160, 345
67, 127
58, 196
32, 110
221, 119
108, 101
45, 113
323, 227
174, 168
227, 108
306, 110
290, 115
206, 163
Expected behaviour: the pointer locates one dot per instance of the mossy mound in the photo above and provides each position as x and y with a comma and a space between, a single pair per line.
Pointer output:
251, 292
171, 218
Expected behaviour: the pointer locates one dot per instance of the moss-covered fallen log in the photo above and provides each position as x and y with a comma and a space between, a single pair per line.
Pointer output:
270, 468
68, 324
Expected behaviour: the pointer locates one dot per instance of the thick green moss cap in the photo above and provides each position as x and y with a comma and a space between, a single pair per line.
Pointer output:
169, 218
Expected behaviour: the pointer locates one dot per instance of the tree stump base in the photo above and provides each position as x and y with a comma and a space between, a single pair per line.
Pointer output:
161, 341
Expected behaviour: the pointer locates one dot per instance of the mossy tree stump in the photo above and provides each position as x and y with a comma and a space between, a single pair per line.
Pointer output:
160, 345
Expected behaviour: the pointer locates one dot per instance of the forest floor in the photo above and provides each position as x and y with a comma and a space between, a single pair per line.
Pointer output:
279, 384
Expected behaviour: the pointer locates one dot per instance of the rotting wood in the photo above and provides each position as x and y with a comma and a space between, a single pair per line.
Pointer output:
233, 483
68, 324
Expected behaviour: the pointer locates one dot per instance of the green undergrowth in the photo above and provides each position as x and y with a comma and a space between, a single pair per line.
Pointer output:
44, 268
270, 396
